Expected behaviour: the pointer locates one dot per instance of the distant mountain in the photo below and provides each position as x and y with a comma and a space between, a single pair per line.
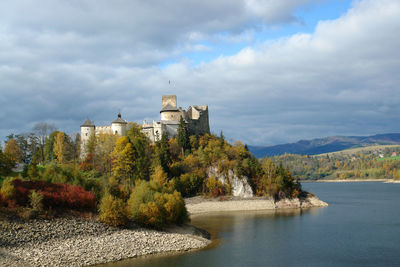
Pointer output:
325, 145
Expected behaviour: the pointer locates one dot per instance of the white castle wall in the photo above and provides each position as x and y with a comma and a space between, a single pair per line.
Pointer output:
118, 128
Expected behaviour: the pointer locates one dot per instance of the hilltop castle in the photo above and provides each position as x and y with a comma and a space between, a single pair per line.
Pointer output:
195, 117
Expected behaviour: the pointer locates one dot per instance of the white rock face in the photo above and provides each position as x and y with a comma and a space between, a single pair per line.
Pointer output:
240, 185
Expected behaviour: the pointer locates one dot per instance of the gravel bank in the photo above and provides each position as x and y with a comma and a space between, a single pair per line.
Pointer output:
199, 205
80, 242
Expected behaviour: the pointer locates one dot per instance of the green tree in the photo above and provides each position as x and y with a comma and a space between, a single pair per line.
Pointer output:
49, 146
6, 164
183, 136
22, 142
163, 153
142, 152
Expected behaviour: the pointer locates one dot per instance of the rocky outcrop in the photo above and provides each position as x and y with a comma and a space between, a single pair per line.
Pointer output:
307, 202
240, 185
80, 242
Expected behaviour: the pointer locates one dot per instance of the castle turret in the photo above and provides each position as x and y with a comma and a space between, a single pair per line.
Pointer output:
118, 126
169, 110
87, 129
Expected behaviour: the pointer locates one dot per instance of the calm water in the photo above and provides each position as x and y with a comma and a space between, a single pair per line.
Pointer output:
361, 227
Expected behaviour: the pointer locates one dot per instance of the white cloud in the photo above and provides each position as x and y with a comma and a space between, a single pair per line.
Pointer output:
65, 60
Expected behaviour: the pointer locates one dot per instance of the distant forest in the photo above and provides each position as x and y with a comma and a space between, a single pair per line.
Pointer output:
381, 162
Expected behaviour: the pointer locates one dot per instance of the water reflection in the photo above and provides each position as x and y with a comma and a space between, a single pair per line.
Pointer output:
359, 228
230, 228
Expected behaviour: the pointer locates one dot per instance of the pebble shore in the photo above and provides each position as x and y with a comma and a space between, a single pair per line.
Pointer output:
71, 241
82, 242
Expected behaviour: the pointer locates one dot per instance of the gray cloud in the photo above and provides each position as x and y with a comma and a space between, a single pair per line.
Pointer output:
65, 60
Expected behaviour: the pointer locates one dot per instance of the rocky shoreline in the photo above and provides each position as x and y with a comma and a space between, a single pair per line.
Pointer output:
72, 241
81, 242
198, 205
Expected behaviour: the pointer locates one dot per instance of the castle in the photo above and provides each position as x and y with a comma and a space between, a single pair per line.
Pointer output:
195, 117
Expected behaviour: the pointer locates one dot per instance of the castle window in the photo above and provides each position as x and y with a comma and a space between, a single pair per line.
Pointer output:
86, 134
116, 132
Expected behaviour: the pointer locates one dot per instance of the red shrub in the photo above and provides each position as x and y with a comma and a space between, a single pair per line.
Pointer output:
62, 196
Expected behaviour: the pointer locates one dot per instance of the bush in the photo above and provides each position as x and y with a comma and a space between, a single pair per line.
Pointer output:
214, 187
150, 204
190, 183
7, 188
112, 210
62, 196
36, 201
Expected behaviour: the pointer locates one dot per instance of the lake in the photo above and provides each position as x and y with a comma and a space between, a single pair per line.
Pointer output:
361, 227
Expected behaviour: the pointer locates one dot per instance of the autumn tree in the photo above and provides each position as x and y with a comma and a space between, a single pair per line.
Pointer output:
13, 150
105, 146
60, 147
91, 147
123, 160
142, 152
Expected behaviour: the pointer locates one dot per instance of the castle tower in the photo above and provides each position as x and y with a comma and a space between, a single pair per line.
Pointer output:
87, 129
169, 110
118, 126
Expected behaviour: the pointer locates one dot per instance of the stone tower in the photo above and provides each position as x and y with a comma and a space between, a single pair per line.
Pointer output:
87, 129
118, 126
169, 110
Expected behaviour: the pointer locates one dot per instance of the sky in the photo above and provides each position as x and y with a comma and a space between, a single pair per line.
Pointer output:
271, 71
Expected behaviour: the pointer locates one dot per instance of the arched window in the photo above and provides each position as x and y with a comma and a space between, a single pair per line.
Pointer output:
116, 132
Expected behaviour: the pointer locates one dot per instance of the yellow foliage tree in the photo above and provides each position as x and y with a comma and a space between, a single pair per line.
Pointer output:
60, 148
123, 159
159, 176
112, 210
13, 150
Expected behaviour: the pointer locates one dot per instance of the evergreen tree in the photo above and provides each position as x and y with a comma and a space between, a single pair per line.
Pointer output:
163, 153
6, 164
183, 136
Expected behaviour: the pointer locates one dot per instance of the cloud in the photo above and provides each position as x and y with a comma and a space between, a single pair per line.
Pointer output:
62, 61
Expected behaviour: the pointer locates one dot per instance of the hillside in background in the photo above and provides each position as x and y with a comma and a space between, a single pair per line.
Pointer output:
325, 145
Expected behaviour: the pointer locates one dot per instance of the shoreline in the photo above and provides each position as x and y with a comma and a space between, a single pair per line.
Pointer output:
83, 242
71, 241
200, 205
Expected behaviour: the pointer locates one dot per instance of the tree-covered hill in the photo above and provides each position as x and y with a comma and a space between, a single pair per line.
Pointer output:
325, 145
127, 179
365, 163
